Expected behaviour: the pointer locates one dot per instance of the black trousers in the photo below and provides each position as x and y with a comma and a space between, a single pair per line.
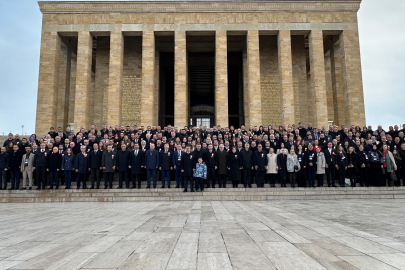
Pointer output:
247, 177
95, 177
210, 176
135, 177
81, 177
41, 176
3, 178
386, 177
364, 180
188, 179
272, 178
293, 178
330, 174
108, 179
260, 178
222, 180
351, 174
123, 176
54, 177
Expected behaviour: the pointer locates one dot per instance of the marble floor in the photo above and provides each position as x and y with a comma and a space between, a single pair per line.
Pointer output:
341, 234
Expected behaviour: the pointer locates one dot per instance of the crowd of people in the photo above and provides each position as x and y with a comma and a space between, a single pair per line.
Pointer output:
199, 157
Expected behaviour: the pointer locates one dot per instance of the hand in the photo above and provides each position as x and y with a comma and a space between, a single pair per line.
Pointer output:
382, 166
228, 168
160, 168
20, 170
337, 167
310, 164
174, 167
129, 166
193, 170
256, 167
216, 167
63, 169
182, 170
326, 166
265, 167
33, 169
114, 168
103, 168
346, 168
171, 168
305, 167
156, 167
89, 169
76, 170
323, 167
58, 170
47, 170
362, 165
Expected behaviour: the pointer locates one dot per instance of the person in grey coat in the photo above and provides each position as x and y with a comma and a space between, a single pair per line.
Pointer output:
108, 164
293, 166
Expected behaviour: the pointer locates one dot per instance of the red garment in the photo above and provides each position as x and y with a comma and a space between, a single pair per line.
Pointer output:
384, 163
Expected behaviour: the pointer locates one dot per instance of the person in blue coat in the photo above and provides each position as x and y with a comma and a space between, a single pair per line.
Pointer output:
122, 164
260, 163
4, 162
187, 168
136, 164
151, 164
14, 165
177, 167
82, 166
68, 162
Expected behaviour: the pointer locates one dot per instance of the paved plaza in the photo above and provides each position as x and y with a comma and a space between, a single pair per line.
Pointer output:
341, 234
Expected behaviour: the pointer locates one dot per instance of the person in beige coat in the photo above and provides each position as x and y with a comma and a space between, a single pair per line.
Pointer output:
272, 167
26, 168
320, 166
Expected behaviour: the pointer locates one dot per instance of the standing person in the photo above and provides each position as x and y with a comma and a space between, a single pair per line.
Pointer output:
260, 163
177, 166
68, 162
375, 159
272, 168
234, 166
200, 174
341, 165
310, 165
4, 163
136, 163
293, 166
247, 165
301, 175
152, 164
351, 165
222, 155
166, 164
95, 158
108, 164
122, 164
330, 159
388, 164
15, 167
82, 167
187, 168
40, 164
54, 165
26, 168
211, 161
401, 153
398, 162
320, 166
282, 167
363, 165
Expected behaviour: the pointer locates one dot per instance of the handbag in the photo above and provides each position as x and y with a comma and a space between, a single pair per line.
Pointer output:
393, 176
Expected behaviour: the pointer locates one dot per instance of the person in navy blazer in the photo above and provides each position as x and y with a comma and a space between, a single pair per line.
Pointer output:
136, 163
166, 164
187, 168
177, 166
82, 166
15, 164
95, 157
122, 164
4, 162
151, 164
54, 165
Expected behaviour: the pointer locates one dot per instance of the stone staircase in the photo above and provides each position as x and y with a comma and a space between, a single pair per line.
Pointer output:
217, 194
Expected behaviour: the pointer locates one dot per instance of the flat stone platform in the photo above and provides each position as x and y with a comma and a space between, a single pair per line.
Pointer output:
210, 194
319, 234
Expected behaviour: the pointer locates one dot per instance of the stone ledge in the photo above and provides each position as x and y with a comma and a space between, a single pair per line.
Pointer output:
200, 6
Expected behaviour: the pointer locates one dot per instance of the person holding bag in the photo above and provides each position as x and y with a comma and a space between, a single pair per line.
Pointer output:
388, 165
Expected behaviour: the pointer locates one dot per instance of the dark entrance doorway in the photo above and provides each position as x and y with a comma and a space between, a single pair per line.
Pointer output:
201, 84
166, 88
235, 89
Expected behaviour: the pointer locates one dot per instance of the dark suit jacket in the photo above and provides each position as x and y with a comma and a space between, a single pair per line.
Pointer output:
187, 164
137, 161
55, 162
95, 159
82, 163
122, 160
15, 161
41, 158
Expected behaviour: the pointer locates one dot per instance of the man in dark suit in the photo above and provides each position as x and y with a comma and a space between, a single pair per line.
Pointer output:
187, 168
95, 157
260, 164
54, 166
330, 160
222, 170
177, 167
15, 164
247, 164
151, 164
82, 166
4, 164
210, 159
310, 165
136, 163
122, 164
40, 164
166, 164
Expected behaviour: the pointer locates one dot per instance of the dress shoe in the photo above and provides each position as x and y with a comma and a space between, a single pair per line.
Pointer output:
119, 187
176, 187
185, 190
139, 187
162, 187
91, 187
30, 188
132, 187
192, 190
168, 186
38, 188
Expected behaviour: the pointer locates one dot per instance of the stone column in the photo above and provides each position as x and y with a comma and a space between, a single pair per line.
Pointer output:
83, 81
253, 62
336, 58
317, 67
352, 78
221, 79
286, 77
48, 82
329, 89
114, 109
148, 71
180, 80
64, 87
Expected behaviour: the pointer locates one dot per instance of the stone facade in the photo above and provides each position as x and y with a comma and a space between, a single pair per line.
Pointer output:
99, 63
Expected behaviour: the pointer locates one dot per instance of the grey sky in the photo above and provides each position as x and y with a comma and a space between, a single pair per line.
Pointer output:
382, 39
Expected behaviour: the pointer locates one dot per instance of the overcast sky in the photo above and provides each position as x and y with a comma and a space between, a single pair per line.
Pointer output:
382, 41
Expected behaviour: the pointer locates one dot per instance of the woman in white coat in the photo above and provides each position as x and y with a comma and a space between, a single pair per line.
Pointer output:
272, 167
320, 166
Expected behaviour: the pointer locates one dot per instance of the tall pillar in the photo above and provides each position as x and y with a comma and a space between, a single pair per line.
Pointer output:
48, 82
329, 88
180, 80
286, 77
83, 81
148, 70
64, 87
352, 78
101, 81
221, 79
317, 66
114, 109
336, 58
253, 61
